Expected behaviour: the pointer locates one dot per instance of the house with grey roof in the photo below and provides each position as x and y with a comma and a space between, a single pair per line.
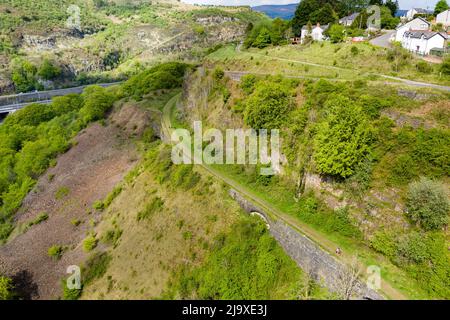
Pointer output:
348, 20
415, 24
410, 14
444, 18
422, 42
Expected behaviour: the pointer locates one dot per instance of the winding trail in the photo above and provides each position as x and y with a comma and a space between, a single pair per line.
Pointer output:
318, 238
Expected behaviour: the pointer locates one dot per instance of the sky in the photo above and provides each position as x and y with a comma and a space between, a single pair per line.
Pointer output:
404, 4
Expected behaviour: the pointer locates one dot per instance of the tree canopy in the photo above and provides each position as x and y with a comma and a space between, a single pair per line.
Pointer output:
441, 6
267, 107
315, 11
343, 139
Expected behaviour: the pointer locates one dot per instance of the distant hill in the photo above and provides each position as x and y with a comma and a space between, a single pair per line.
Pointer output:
278, 11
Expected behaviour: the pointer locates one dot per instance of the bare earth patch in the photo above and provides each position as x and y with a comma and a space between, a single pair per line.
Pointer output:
87, 172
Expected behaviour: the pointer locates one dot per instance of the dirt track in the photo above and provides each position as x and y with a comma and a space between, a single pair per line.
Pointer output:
90, 170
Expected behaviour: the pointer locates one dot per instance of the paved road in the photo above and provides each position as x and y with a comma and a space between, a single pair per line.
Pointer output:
17, 101
383, 41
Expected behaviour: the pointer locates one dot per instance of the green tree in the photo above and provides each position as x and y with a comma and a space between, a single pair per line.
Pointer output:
23, 75
48, 71
278, 31
387, 19
441, 6
393, 6
308, 10
263, 39
343, 139
97, 101
324, 15
336, 33
268, 106
428, 204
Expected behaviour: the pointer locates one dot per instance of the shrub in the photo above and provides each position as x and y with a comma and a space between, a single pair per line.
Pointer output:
336, 33
97, 101
48, 71
384, 243
427, 204
6, 288
98, 205
95, 267
445, 67
248, 83
112, 236
404, 169
39, 219
75, 222
163, 76
218, 74
65, 104
184, 177
32, 115
70, 294
425, 257
89, 243
23, 75
111, 196
55, 252
354, 50
424, 67
155, 205
62, 193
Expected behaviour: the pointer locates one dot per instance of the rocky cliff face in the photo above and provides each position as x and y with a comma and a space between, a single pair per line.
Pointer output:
53, 40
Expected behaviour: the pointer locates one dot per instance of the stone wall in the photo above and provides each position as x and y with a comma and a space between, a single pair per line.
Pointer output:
322, 267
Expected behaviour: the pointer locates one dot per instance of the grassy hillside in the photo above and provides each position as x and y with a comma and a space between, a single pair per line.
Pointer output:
181, 228
362, 196
342, 61
171, 227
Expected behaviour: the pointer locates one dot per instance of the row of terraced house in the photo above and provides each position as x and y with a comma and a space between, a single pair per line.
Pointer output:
417, 36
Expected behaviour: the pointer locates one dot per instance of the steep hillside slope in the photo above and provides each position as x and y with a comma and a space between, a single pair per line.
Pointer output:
83, 42
364, 206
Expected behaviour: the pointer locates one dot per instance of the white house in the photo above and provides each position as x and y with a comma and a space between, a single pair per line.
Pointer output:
417, 24
444, 18
348, 21
421, 42
412, 12
316, 32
